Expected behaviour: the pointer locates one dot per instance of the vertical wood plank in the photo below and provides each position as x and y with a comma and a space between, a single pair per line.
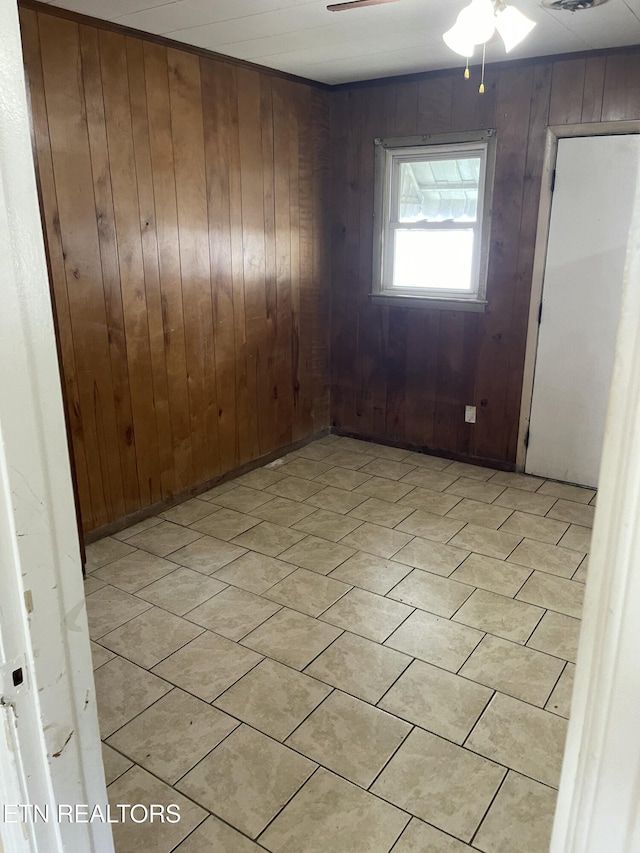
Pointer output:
567, 91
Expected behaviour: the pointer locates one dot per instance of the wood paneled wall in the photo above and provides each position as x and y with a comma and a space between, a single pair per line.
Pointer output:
405, 374
183, 204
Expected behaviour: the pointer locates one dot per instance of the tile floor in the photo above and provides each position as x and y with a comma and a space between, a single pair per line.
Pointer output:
356, 648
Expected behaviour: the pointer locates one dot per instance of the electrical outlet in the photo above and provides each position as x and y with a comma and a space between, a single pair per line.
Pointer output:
470, 414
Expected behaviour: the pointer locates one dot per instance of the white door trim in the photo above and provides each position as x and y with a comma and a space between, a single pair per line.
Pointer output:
600, 785
50, 720
554, 133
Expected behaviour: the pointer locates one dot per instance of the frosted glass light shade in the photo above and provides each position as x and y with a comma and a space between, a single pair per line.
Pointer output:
457, 39
513, 26
477, 21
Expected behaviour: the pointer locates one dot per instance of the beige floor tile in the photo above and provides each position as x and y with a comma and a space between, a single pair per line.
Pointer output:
189, 512
436, 481
123, 691
372, 616
482, 514
214, 836
306, 591
207, 666
560, 700
92, 584
521, 737
315, 451
247, 779
559, 594
336, 500
134, 571
332, 814
513, 669
384, 489
577, 539
254, 572
520, 818
430, 501
385, 451
441, 783
306, 469
524, 501
220, 489
419, 837
291, 638
114, 764
100, 656
145, 524
535, 527
232, 613
165, 538
269, 539
359, 667
371, 573
138, 786
387, 468
471, 472
431, 556
273, 698
225, 524
328, 525
491, 574
546, 558
349, 737
570, 493
481, 540
435, 640
317, 554
207, 554
181, 591
581, 572
574, 513
517, 481
105, 551
282, 511
423, 460
342, 478
428, 525
295, 488
558, 635
348, 459
384, 513
475, 490
171, 736
108, 608
429, 592
260, 478
499, 615
242, 499
377, 540
437, 700
150, 637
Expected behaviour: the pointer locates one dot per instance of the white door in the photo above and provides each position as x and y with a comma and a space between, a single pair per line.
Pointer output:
588, 237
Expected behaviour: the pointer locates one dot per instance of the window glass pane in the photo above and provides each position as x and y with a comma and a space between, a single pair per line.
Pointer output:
439, 190
439, 260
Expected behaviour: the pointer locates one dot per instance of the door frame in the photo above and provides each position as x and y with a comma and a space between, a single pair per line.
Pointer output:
554, 133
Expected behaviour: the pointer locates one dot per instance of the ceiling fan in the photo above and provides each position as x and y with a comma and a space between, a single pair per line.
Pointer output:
353, 4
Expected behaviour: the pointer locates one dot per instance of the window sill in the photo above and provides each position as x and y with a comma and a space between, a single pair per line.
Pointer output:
428, 302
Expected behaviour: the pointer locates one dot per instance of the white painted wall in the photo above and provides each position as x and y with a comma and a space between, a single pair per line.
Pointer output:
52, 726
590, 219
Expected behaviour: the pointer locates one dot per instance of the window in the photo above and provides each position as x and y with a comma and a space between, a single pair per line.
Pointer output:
432, 216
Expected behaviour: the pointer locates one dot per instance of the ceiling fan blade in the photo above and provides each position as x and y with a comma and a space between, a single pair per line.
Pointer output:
353, 4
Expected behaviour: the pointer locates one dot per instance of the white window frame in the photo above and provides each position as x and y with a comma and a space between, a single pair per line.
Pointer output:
390, 154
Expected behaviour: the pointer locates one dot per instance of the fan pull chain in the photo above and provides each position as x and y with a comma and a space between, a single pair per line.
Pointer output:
481, 87
466, 70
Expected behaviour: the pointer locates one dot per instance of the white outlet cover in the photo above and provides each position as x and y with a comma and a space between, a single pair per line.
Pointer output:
470, 414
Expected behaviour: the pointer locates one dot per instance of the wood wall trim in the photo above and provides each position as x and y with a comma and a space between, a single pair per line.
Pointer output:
193, 491
90, 21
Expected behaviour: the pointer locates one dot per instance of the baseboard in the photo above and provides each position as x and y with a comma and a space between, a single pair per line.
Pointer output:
193, 491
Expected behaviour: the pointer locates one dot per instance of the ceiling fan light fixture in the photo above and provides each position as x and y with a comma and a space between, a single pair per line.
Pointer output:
513, 26
478, 21
458, 41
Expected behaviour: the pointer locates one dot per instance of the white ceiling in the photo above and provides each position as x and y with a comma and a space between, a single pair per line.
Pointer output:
302, 37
